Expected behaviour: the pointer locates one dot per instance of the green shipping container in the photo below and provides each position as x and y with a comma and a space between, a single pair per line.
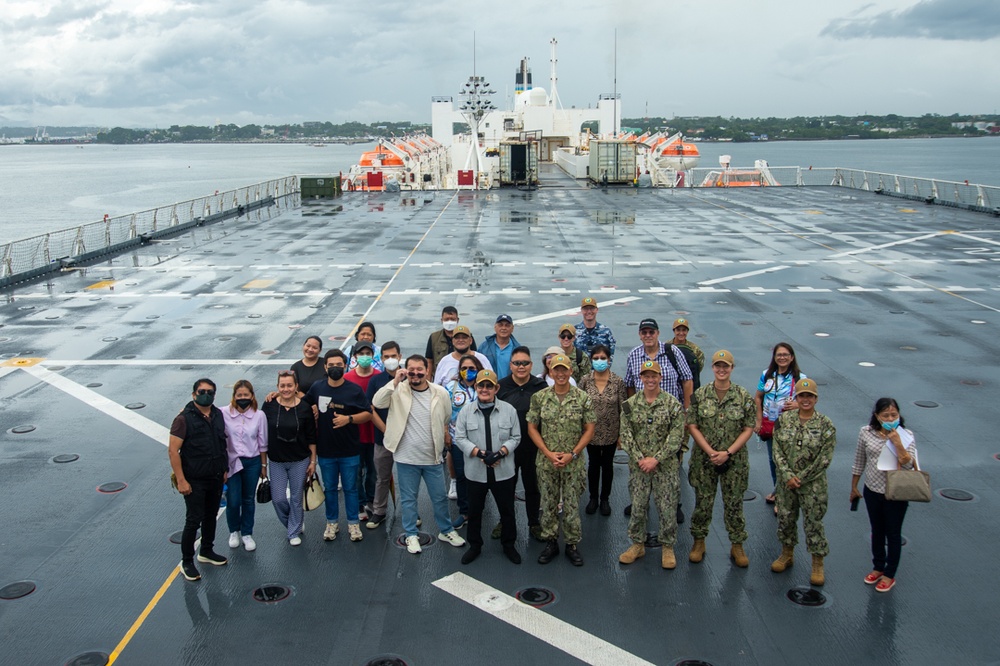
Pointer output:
320, 187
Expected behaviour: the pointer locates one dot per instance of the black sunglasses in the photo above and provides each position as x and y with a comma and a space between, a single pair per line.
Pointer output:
206, 391
520, 364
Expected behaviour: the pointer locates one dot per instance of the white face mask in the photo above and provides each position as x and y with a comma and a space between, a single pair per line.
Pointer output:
390, 364
449, 325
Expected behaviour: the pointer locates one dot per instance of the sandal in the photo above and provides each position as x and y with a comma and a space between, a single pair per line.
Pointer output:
873, 577
885, 584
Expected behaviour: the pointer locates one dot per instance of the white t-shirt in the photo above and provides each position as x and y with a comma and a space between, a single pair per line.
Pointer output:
416, 446
447, 369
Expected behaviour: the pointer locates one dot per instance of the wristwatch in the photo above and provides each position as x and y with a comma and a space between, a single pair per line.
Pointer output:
350, 418
575, 455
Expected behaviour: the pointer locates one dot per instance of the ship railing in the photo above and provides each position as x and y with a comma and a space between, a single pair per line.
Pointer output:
966, 195
33, 257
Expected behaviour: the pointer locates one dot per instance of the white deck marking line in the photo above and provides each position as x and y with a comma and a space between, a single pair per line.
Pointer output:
559, 634
739, 276
885, 245
137, 422
375, 301
171, 361
978, 240
7, 370
572, 311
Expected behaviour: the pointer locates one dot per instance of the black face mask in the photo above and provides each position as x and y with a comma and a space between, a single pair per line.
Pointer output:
243, 403
204, 399
336, 373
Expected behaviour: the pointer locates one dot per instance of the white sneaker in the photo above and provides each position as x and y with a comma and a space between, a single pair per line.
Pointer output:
234, 539
413, 545
453, 490
249, 543
355, 532
330, 533
295, 541
453, 538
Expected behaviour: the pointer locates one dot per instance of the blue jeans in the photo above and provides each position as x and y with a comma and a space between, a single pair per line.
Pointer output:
409, 486
347, 471
241, 496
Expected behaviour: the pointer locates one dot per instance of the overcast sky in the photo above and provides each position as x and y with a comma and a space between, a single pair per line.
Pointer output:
145, 63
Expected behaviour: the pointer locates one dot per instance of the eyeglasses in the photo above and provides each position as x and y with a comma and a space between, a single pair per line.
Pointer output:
648, 331
782, 356
482, 386
205, 391
520, 364
566, 336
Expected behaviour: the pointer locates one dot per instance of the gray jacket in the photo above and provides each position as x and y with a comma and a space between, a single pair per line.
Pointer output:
470, 433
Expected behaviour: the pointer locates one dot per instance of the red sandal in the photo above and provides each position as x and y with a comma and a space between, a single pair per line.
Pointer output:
873, 577
885, 584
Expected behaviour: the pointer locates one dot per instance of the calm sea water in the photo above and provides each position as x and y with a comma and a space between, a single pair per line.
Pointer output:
45, 188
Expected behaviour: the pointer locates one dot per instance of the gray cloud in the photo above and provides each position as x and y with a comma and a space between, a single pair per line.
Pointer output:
961, 20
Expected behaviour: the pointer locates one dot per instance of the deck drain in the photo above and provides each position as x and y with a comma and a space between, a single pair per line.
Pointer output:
65, 458
908, 348
746, 323
631, 323
806, 596
135, 405
558, 279
127, 357
269, 352
316, 307
219, 306
295, 327
972, 382
424, 538
956, 494
652, 541
56, 368
94, 385
270, 594
535, 596
977, 321
89, 659
386, 660
897, 311
929, 404
866, 364
187, 326
178, 536
187, 367
996, 456
112, 487
254, 316
152, 316
338, 337
822, 335
22, 429
750, 496
693, 662
225, 338
21, 588
109, 339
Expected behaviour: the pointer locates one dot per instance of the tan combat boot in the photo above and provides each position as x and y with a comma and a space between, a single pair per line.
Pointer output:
817, 577
739, 557
634, 552
785, 560
697, 551
667, 558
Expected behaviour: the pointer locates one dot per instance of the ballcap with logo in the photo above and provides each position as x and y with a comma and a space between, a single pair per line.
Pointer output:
723, 356
487, 376
567, 328
589, 301
806, 386
681, 322
462, 329
505, 318
560, 359
650, 366
649, 322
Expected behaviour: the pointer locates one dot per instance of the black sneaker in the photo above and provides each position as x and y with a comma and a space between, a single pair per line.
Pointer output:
549, 552
591, 506
211, 557
190, 571
375, 521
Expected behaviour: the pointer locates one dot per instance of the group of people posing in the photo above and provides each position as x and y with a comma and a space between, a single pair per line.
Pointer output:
482, 414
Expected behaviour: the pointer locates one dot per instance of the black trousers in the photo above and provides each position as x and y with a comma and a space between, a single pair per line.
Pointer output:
886, 518
503, 495
524, 461
202, 506
600, 464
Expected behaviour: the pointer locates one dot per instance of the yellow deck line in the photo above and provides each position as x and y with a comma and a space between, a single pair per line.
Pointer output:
123, 643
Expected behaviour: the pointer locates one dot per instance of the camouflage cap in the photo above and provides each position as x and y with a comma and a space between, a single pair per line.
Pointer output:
560, 359
806, 386
487, 376
589, 301
650, 366
723, 356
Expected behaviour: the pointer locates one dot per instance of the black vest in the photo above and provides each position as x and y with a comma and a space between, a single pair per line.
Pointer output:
203, 454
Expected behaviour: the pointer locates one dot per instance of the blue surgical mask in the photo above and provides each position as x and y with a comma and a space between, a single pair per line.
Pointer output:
600, 364
365, 361
890, 425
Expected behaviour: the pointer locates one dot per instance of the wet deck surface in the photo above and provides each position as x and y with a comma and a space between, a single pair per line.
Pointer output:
878, 297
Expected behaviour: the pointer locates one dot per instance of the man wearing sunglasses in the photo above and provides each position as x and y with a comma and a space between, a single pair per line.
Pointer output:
415, 426
197, 450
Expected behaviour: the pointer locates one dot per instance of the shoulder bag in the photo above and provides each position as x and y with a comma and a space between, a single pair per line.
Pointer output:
313, 496
908, 485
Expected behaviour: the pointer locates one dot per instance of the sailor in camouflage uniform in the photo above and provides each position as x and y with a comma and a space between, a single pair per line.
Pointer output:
590, 332
721, 420
561, 422
803, 450
652, 427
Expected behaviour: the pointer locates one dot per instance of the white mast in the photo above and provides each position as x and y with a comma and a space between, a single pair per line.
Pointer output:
554, 100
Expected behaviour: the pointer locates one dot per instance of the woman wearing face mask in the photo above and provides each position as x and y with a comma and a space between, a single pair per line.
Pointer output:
607, 392
246, 445
291, 431
365, 333
462, 390
883, 444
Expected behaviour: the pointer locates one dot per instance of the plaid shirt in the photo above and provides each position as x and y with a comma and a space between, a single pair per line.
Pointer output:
668, 381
